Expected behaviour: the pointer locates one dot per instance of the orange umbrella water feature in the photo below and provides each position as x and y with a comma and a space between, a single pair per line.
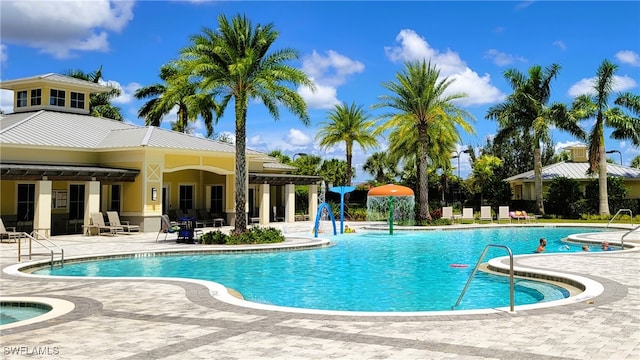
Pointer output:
390, 191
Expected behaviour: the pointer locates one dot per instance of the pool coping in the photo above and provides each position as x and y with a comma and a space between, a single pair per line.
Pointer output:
592, 288
58, 307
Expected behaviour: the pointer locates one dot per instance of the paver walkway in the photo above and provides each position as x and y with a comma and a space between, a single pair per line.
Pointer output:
165, 319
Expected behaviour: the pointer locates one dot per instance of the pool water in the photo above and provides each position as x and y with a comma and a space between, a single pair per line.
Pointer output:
12, 312
407, 271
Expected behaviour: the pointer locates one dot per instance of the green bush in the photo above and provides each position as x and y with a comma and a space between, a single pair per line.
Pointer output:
563, 193
255, 235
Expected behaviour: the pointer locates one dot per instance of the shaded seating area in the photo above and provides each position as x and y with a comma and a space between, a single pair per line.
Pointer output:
9, 233
114, 220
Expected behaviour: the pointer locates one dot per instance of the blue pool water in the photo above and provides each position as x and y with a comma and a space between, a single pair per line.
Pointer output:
408, 271
11, 312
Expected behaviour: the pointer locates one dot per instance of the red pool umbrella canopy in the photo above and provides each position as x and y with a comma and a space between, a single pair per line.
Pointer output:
390, 190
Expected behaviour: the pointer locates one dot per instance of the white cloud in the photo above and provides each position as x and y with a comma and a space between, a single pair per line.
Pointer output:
560, 44
586, 86
328, 73
560, 146
628, 57
503, 59
255, 140
126, 92
413, 47
6, 101
61, 28
298, 138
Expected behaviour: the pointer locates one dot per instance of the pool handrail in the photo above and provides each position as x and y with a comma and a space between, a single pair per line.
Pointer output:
475, 269
618, 213
34, 237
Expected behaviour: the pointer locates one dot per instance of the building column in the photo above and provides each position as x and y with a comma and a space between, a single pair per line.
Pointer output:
42, 211
265, 197
313, 201
289, 203
91, 200
230, 200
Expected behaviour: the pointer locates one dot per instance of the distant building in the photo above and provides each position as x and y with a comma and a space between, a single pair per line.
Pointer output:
523, 185
58, 164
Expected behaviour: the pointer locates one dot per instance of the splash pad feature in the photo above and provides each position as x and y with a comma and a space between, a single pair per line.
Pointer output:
391, 202
340, 190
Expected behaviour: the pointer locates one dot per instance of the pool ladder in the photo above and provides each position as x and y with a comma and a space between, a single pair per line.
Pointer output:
41, 240
475, 269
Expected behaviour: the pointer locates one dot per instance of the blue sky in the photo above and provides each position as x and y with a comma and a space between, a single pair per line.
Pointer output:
348, 48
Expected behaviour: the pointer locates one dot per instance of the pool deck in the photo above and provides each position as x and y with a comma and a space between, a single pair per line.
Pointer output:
173, 319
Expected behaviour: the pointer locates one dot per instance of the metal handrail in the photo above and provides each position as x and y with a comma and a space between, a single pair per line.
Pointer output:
32, 237
625, 234
475, 269
619, 211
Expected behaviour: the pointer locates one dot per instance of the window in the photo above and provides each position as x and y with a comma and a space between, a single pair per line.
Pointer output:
36, 97
76, 201
21, 99
216, 204
26, 195
56, 97
114, 204
77, 100
59, 199
186, 197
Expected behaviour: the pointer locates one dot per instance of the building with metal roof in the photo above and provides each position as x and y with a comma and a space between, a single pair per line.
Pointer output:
523, 185
58, 165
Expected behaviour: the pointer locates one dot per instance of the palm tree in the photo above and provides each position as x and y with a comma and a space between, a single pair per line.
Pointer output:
381, 166
348, 124
100, 103
483, 170
233, 62
527, 111
177, 92
624, 126
418, 103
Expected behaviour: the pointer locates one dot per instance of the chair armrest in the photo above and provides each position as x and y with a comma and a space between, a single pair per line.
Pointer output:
10, 228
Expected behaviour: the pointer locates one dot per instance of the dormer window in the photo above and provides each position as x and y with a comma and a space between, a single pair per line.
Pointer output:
21, 99
77, 100
36, 97
56, 97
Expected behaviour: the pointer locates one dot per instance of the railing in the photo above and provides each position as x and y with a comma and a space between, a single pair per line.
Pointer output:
618, 213
475, 269
625, 235
34, 237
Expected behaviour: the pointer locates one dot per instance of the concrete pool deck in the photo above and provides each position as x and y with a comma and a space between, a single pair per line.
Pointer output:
172, 319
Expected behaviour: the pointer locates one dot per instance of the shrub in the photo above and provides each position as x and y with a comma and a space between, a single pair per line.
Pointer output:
255, 235
214, 237
563, 193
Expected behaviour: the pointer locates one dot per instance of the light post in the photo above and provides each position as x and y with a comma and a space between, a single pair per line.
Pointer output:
616, 151
458, 157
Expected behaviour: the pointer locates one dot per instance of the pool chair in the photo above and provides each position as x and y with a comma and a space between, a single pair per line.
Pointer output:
485, 214
114, 220
447, 213
98, 223
9, 233
167, 227
520, 215
503, 213
467, 214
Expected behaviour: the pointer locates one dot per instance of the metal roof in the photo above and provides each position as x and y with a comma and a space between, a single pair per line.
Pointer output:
55, 79
577, 171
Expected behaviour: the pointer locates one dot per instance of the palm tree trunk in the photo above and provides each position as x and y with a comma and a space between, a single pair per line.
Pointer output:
537, 170
349, 149
423, 212
241, 165
602, 182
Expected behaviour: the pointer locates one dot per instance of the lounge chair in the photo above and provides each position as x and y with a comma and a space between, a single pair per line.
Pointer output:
485, 213
9, 233
447, 213
467, 214
167, 226
114, 220
503, 213
205, 217
98, 222
520, 215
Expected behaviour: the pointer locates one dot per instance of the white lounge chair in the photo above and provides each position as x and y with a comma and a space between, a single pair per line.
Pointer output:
98, 222
503, 213
485, 214
9, 233
167, 226
447, 213
467, 214
114, 220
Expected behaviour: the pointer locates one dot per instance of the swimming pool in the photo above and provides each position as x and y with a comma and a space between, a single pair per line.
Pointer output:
408, 271
14, 311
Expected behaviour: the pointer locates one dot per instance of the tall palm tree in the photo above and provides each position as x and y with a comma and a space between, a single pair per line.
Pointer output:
234, 62
348, 124
527, 110
177, 91
624, 125
418, 103
381, 166
100, 103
